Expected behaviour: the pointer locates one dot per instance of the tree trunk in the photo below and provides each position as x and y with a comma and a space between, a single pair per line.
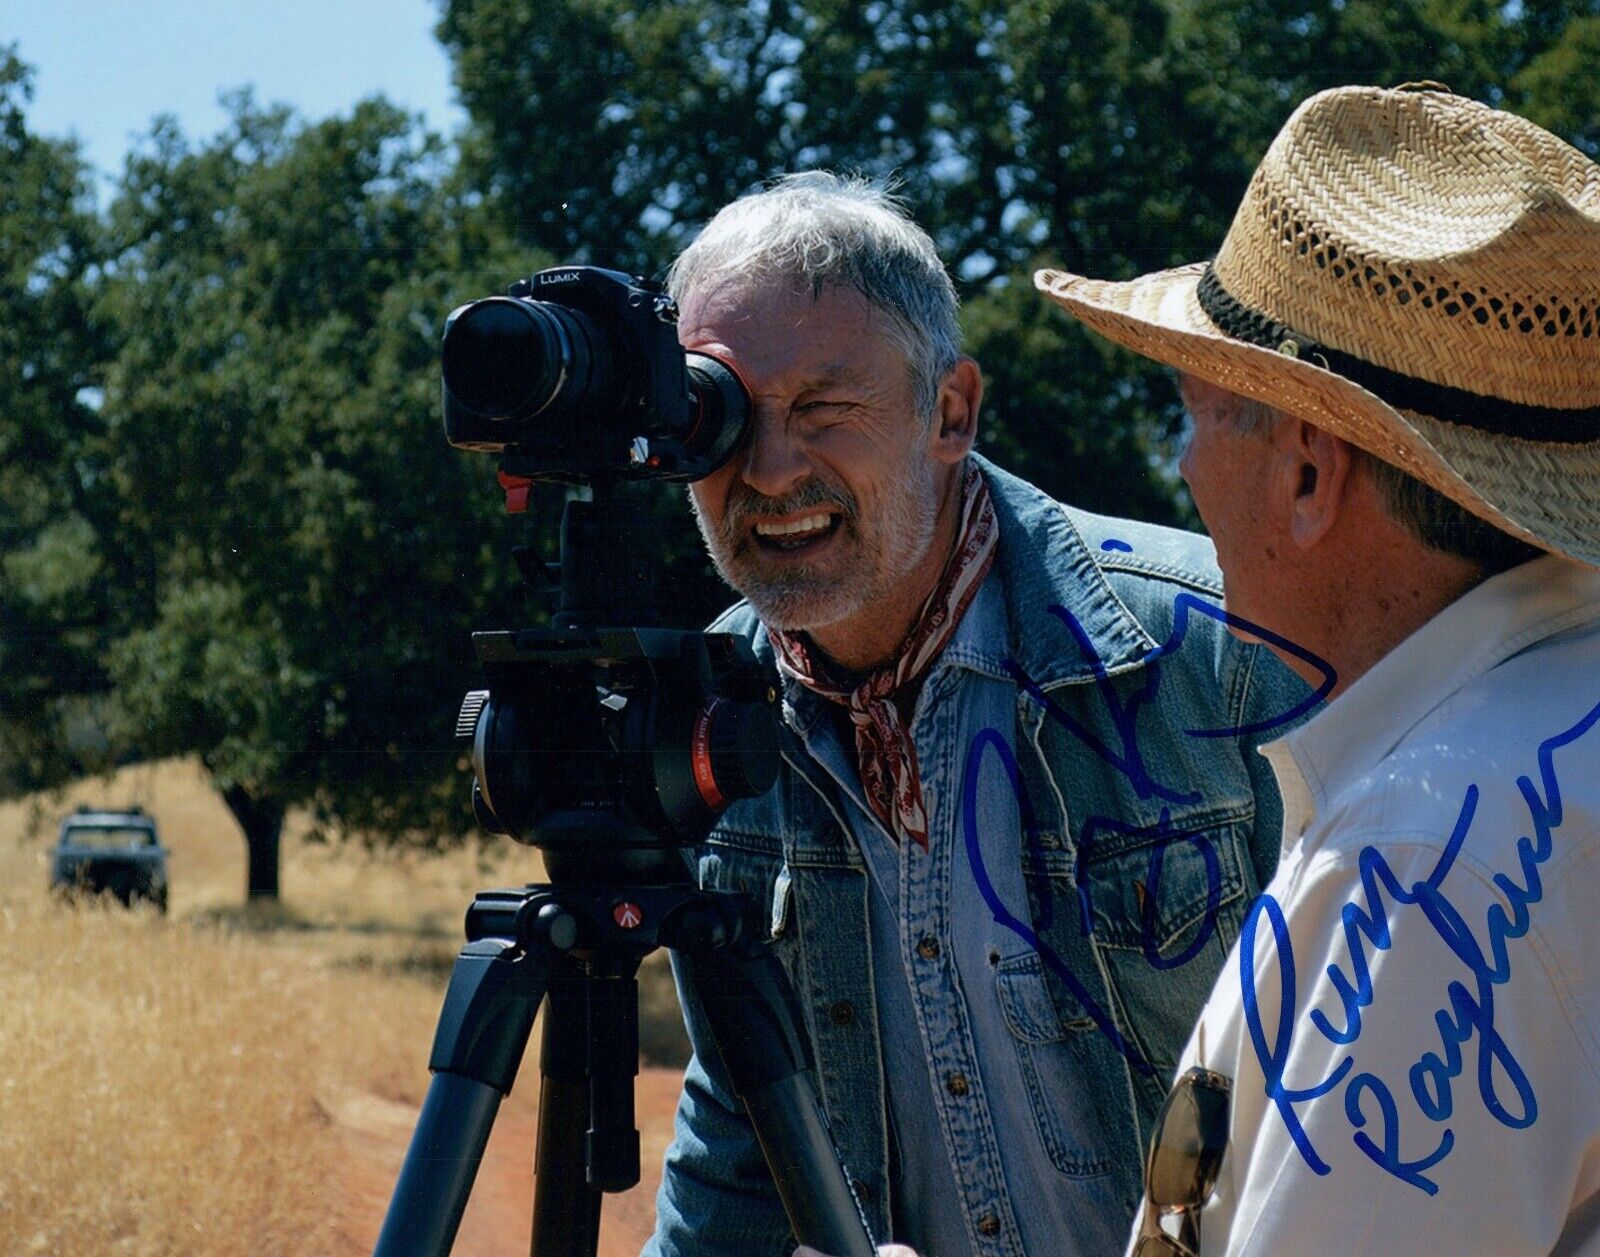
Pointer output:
262, 822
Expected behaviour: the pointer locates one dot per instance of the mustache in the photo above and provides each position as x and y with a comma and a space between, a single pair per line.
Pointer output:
744, 502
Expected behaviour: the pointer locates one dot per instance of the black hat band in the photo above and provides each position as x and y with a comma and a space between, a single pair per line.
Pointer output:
1404, 392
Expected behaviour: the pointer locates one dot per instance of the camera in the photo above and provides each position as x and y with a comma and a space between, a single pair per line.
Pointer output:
577, 373
593, 740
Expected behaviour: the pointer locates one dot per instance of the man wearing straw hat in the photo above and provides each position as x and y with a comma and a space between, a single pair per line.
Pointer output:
1393, 370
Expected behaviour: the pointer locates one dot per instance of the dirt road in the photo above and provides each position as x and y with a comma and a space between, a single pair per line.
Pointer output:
374, 1133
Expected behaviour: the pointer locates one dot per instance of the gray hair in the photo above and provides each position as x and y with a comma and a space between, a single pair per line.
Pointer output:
1437, 521
818, 229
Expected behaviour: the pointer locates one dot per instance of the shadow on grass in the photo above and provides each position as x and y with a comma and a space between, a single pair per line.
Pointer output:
662, 1039
432, 965
428, 952
270, 916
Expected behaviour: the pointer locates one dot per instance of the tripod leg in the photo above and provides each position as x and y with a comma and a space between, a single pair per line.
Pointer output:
612, 1149
495, 989
566, 1209
757, 1028
440, 1165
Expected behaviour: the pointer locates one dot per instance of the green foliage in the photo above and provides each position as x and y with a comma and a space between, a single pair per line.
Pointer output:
213, 672
305, 554
1113, 134
229, 524
52, 602
607, 129
1561, 84
1067, 411
1105, 138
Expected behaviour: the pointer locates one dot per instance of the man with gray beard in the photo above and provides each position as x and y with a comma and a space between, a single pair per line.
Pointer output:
1020, 814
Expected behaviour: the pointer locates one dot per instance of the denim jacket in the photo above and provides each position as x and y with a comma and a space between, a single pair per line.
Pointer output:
1150, 843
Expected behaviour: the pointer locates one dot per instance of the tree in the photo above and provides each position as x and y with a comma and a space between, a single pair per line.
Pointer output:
608, 130
229, 525
301, 555
53, 603
1559, 85
1106, 138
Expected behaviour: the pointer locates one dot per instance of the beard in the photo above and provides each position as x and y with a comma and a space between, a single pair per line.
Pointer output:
865, 561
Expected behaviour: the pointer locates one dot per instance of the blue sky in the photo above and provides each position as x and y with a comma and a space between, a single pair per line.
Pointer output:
103, 69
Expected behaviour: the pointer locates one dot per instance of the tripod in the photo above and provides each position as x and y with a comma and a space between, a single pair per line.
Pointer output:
575, 944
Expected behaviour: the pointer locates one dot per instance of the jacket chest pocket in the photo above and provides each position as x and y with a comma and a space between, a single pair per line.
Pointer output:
1069, 1072
1161, 905
1157, 888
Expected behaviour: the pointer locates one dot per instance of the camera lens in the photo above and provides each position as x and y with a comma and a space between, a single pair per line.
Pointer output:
719, 408
507, 358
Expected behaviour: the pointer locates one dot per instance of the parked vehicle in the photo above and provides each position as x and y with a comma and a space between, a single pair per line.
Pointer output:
111, 852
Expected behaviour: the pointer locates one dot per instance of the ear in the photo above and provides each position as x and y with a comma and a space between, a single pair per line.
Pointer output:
1322, 467
955, 423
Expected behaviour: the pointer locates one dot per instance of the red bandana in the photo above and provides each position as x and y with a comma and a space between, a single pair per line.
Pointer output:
888, 762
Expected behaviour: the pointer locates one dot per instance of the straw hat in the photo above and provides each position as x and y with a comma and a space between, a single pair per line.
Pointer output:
1418, 274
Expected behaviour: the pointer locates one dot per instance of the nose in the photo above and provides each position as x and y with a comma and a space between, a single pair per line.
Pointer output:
774, 460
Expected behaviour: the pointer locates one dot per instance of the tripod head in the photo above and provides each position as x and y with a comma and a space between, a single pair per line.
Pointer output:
601, 745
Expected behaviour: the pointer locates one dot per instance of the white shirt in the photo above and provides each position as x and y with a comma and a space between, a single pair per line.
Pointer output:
1496, 701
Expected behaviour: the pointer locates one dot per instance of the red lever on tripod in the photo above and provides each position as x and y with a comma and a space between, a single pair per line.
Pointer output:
517, 490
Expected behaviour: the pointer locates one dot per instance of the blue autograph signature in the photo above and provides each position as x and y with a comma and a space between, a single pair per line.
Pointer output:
1468, 1015
1128, 760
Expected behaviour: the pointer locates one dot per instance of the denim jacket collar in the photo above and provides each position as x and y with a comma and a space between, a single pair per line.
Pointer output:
1056, 570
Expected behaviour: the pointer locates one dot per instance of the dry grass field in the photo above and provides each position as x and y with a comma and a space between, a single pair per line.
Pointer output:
230, 1081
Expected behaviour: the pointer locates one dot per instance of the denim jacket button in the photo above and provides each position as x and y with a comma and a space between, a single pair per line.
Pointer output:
842, 1013
956, 1084
862, 1191
988, 1225
928, 947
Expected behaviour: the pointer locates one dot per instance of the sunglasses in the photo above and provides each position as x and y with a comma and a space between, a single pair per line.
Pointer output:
1186, 1147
